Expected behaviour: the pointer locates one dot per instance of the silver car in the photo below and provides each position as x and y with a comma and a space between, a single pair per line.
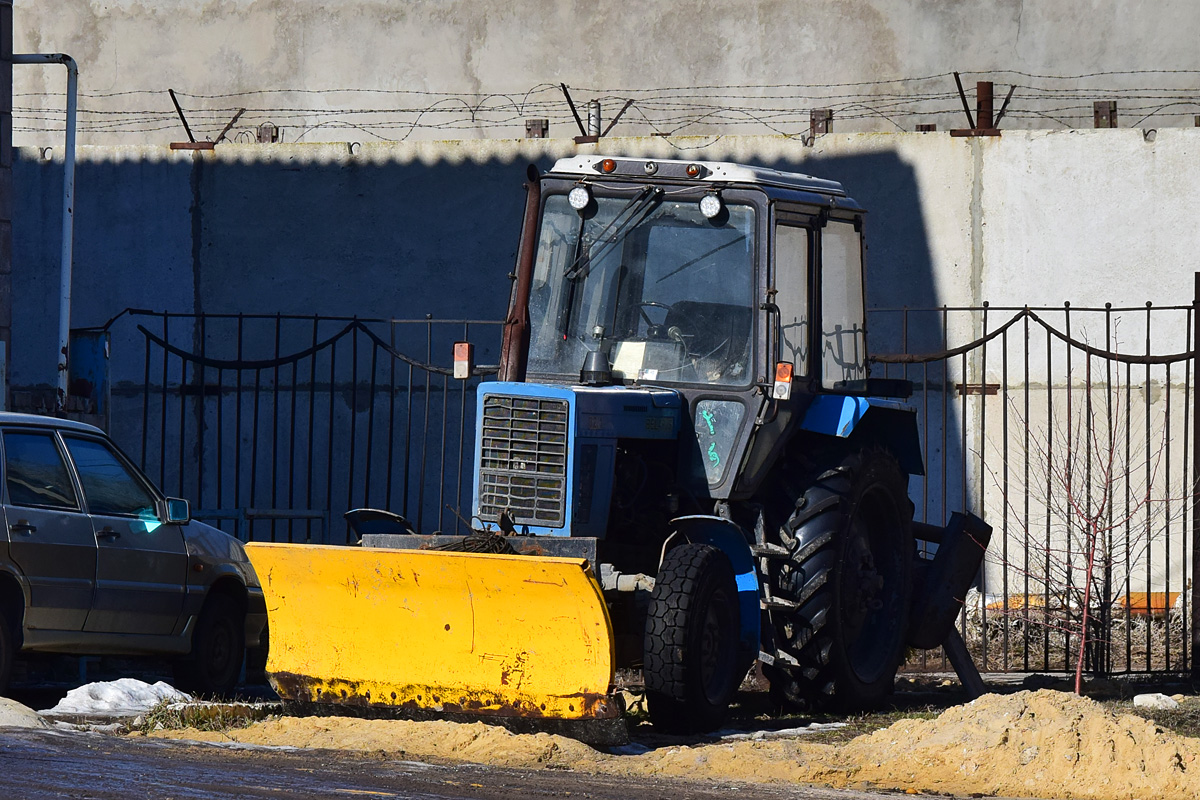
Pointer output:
96, 560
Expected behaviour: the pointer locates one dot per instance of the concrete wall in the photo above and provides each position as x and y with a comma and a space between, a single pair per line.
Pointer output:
504, 60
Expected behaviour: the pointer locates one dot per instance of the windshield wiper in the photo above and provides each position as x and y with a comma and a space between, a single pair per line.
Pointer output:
701, 257
634, 212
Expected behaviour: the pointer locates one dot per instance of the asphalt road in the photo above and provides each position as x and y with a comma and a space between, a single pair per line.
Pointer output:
41, 764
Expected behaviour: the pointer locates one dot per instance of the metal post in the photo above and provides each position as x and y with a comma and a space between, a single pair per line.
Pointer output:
820, 122
68, 222
1104, 114
1195, 599
593, 109
983, 105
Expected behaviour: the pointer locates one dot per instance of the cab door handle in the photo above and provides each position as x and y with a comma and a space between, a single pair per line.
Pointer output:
108, 533
23, 526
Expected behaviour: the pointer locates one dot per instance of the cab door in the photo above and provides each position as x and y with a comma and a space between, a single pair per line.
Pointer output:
142, 562
50, 537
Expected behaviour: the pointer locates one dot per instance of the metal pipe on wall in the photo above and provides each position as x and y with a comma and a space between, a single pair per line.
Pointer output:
68, 223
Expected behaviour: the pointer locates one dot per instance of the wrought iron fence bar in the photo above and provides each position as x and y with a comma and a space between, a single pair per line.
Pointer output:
312, 422
370, 429
1005, 489
424, 430
353, 422
1025, 519
1149, 521
329, 444
1194, 486
275, 427
162, 433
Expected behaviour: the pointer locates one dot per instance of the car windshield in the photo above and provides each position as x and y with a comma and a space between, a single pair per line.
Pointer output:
665, 293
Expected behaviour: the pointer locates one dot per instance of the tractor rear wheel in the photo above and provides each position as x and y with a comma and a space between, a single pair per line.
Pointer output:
691, 656
848, 586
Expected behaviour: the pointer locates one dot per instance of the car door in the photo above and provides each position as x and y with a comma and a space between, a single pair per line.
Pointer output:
141, 562
50, 537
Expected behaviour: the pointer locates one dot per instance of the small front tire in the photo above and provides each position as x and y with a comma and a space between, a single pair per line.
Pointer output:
691, 645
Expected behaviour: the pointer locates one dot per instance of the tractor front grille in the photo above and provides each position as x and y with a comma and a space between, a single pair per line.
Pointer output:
523, 460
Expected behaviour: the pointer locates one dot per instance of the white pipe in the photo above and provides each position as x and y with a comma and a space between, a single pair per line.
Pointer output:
68, 223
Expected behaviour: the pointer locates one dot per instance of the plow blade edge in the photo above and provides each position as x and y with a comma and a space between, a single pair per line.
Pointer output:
447, 633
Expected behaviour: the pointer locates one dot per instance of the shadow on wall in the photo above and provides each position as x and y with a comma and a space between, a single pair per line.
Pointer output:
349, 237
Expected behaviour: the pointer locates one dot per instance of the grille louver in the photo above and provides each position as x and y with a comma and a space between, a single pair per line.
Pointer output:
523, 464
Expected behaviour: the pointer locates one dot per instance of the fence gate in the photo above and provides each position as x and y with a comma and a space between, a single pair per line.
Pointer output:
1072, 432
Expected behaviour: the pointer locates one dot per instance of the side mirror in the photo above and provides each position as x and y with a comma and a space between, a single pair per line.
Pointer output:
178, 511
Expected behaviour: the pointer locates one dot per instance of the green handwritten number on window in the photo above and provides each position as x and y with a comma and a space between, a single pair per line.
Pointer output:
712, 454
708, 420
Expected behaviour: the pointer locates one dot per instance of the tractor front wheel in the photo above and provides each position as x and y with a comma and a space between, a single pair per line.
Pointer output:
691, 645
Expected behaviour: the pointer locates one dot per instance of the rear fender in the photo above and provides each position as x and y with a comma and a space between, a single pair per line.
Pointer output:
730, 539
869, 420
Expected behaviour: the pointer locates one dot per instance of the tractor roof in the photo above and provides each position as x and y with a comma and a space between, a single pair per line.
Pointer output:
700, 171
782, 185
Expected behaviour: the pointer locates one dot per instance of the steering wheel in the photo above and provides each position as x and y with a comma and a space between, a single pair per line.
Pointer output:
641, 307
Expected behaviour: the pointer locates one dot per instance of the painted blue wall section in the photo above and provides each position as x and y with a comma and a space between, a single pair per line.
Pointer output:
729, 538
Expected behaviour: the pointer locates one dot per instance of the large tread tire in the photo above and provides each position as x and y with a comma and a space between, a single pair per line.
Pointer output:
849, 575
218, 649
691, 661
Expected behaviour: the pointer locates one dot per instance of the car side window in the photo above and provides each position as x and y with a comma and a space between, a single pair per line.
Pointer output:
35, 473
109, 487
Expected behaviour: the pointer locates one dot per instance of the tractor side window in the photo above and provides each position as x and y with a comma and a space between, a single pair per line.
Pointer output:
791, 294
843, 324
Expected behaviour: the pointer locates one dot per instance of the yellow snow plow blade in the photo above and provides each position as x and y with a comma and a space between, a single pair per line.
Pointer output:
510, 636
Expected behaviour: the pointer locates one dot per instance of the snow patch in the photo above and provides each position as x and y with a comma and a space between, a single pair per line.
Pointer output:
729, 735
122, 696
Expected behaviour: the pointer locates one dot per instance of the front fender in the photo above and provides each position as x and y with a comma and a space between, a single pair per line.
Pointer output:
730, 539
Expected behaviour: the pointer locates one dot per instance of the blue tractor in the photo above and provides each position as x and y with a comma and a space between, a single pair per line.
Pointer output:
684, 410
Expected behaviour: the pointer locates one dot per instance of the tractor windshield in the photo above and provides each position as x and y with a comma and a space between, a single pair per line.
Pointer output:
666, 293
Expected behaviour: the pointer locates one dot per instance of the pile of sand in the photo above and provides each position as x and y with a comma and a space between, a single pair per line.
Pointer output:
447, 741
1031, 744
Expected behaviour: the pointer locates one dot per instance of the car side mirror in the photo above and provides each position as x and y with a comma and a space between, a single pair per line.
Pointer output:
178, 511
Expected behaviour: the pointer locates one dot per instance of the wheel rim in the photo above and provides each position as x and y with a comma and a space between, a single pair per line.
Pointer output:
869, 611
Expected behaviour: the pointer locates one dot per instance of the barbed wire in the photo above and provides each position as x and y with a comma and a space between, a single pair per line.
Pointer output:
710, 109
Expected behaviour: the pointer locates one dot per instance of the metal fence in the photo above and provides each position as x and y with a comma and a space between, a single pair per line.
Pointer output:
1066, 428
274, 426
1072, 432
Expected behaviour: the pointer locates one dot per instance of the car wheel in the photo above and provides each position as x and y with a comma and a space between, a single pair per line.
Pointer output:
218, 649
